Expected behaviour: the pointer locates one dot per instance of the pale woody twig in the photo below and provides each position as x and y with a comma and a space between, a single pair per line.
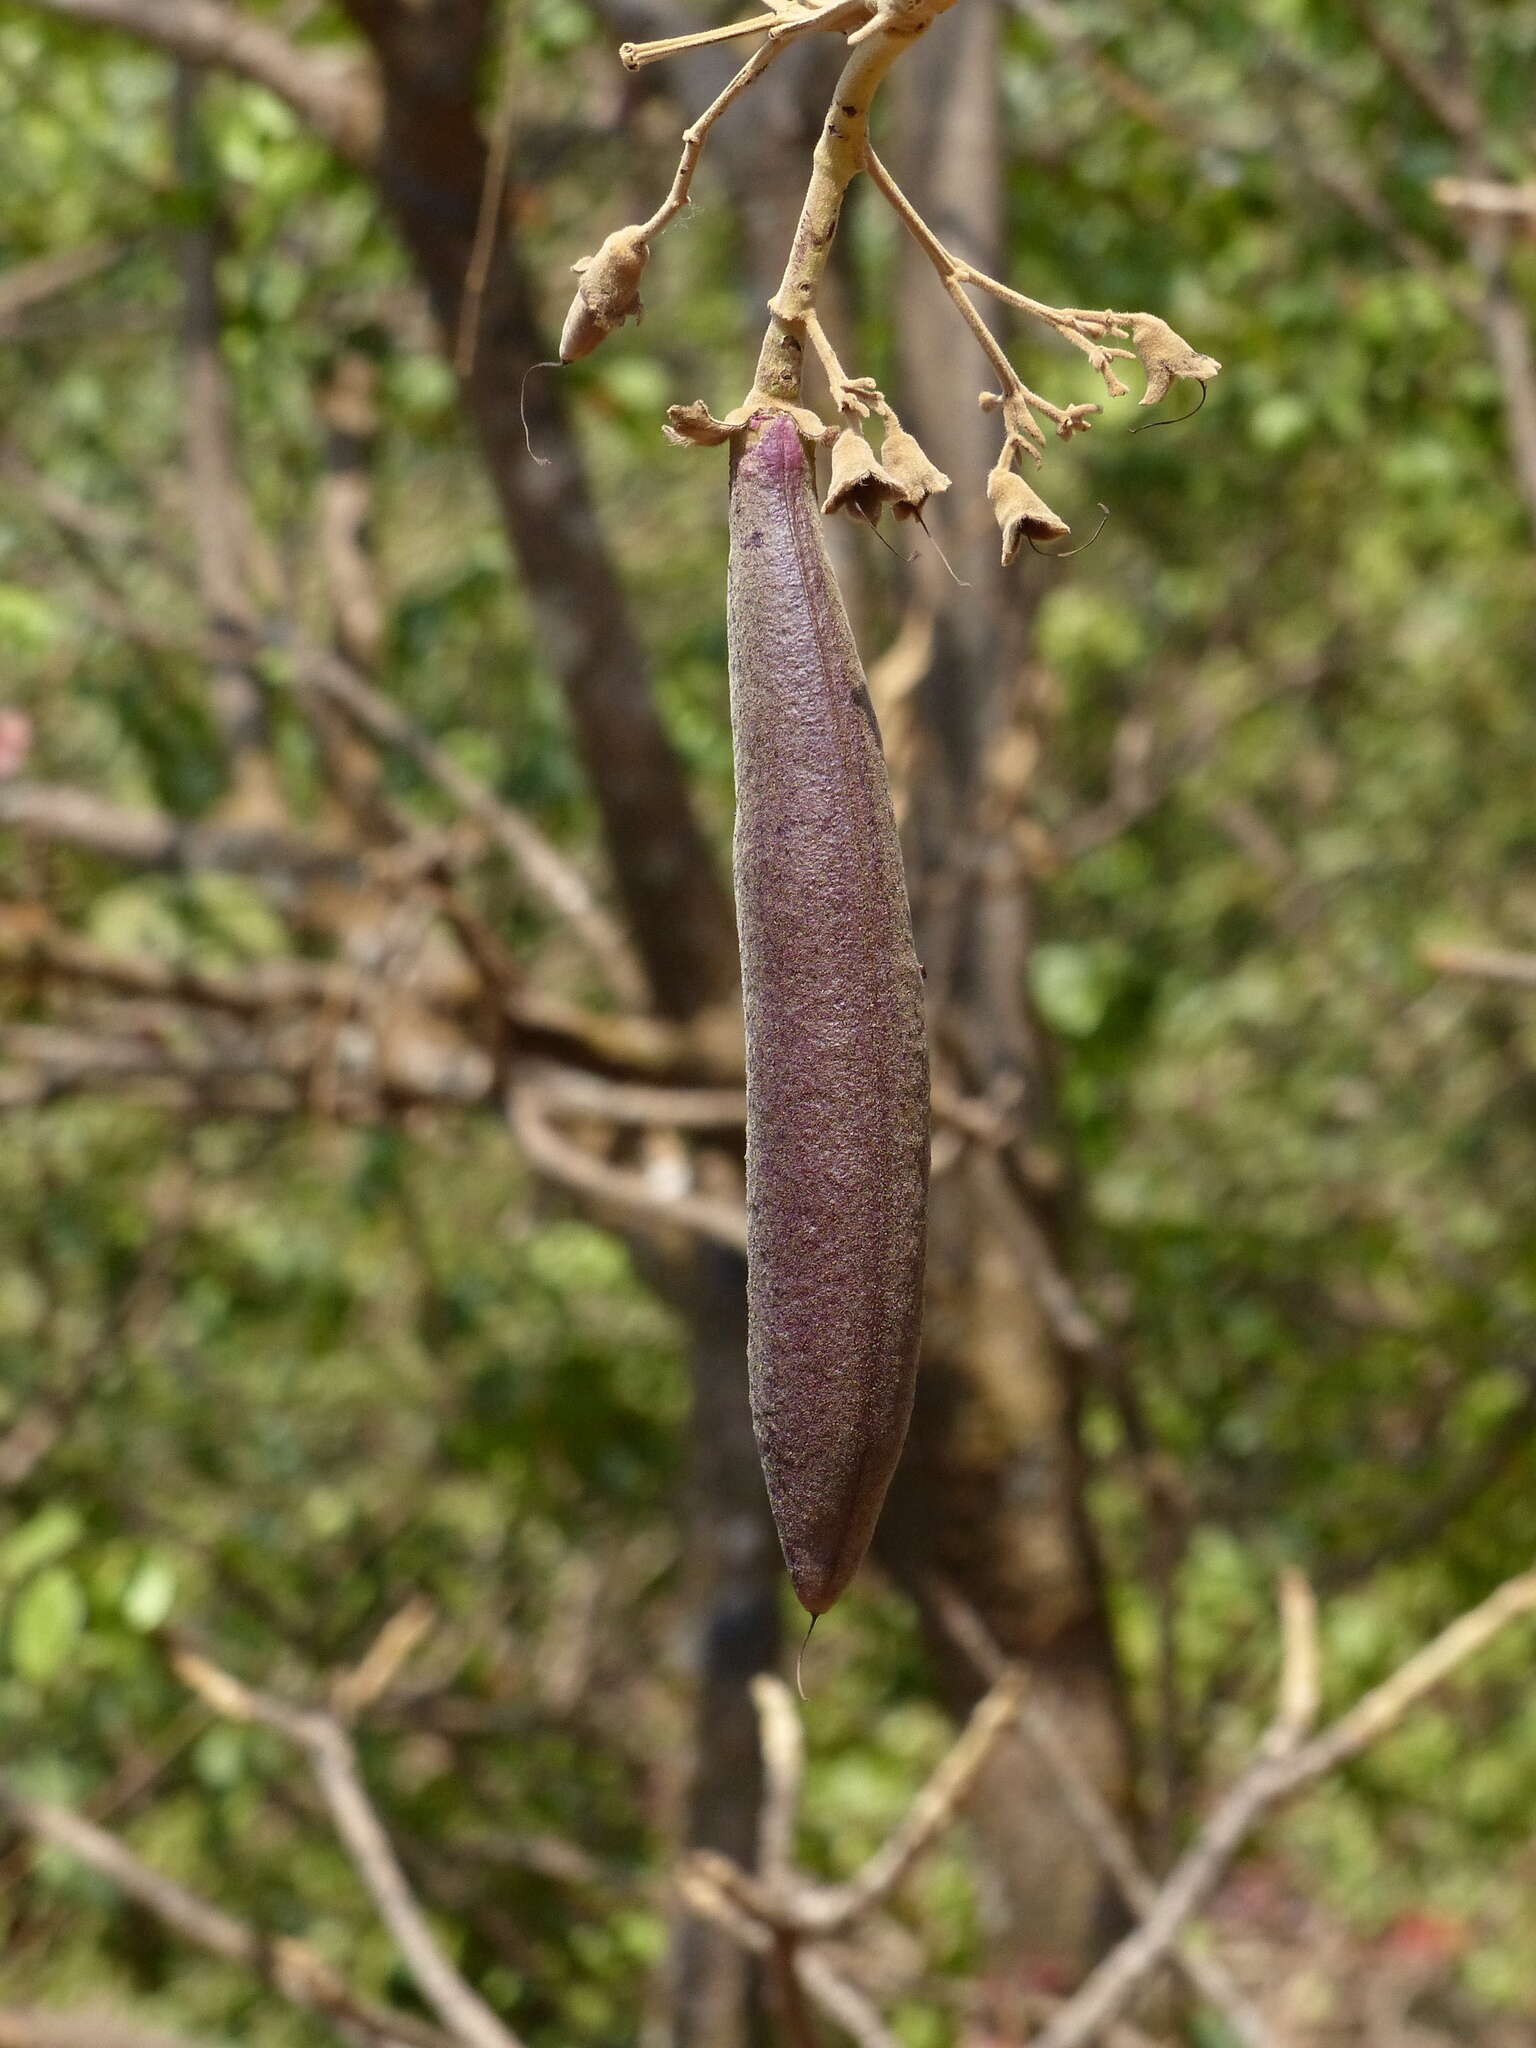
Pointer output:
87, 2028
1086, 1804
822, 1910
1483, 963
1488, 195
782, 31
1018, 400
781, 1917
1277, 1774
291, 1967
838, 1999
552, 1153
334, 1762
380, 1664
783, 1746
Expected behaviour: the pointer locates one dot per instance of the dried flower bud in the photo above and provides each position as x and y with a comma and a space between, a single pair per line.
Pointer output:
859, 484
902, 458
1020, 512
1166, 355
608, 293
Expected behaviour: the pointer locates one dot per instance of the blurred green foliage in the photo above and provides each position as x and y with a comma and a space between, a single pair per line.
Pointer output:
321, 1371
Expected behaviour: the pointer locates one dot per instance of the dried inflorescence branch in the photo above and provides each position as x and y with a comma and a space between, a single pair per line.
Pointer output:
901, 476
837, 1097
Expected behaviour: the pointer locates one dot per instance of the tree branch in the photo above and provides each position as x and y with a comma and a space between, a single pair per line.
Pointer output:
291, 1967
333, 1760
88, 2028
1206, 1973
1283, 1768
340, 102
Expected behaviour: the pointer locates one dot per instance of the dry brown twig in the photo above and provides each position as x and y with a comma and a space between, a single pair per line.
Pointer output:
782, 1916
878, 31
292, 1969
333, 1759
1286, 1763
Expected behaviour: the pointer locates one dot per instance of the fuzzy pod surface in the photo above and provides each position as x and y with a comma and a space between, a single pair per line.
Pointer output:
837, 1058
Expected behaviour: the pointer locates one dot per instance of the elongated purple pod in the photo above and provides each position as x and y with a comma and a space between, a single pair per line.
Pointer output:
837, 1058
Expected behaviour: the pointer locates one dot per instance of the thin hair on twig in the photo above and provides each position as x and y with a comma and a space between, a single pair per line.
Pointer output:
1178, 416
553, 363
1088, 543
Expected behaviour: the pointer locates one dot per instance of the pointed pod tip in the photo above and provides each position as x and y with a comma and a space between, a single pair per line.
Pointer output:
805, 1643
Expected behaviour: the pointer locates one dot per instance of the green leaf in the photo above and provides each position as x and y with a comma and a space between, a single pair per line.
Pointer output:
150, 1594
47, 1621
29, 624
50, 1532
1073, 986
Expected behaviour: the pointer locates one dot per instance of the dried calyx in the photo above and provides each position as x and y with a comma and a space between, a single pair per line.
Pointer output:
902, 458
1166, 355
1020, 511
900, 475
860, 484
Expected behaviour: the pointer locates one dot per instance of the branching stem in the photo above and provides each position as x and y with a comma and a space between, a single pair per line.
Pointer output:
838, 159
781, 33
1018, 401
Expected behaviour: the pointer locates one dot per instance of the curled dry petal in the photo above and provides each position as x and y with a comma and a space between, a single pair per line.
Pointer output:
902, 458
695, 426
1021, 511
1166, 355
859, 484
608, 293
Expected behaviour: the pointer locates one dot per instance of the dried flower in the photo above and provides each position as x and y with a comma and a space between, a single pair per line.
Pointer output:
1166, 355
608, 293
859, 484
1020, 512
902, 458
695, 426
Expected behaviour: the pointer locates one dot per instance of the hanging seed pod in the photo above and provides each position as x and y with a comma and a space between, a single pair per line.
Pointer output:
837, 1063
